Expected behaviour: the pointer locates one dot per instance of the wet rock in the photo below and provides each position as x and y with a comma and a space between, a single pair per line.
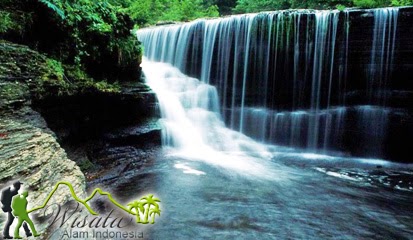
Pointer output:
14, 96
397, 179
118, 152
89, 115
147, 132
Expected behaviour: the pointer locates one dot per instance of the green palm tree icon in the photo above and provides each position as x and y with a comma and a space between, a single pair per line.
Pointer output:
152, 208
149, 201
153, 212
138, 207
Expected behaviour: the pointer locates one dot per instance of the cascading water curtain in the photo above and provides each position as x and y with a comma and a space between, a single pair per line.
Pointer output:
282, 77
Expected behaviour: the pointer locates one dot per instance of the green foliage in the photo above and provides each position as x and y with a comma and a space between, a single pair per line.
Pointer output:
81, 82
13, 22
54, 7
55, 68
340, 7
371, 3
185, 10
147, 12
244, 6
86, 165
95, 36
58, 79
402, 2
104, 86
6, 22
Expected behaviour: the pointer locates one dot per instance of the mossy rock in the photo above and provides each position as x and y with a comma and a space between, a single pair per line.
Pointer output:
13, 96
46, 77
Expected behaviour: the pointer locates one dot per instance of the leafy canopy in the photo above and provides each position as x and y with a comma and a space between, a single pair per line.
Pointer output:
146, 12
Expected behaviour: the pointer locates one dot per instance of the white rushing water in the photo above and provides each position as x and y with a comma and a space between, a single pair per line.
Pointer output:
192, 124
382, 52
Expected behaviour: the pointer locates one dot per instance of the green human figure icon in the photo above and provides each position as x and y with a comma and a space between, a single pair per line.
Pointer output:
19, 206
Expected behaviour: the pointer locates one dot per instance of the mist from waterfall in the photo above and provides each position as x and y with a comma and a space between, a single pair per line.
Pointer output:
192, 124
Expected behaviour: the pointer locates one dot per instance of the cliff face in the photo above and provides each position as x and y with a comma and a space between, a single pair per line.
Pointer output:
29, 151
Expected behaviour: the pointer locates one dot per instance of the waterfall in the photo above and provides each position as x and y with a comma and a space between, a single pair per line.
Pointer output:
382, 53
282, 77
324, 44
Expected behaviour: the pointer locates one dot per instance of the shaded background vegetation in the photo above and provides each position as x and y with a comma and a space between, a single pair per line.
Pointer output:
83, 35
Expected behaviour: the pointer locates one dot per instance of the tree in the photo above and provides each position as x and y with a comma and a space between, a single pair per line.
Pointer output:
146, 11
224, 6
